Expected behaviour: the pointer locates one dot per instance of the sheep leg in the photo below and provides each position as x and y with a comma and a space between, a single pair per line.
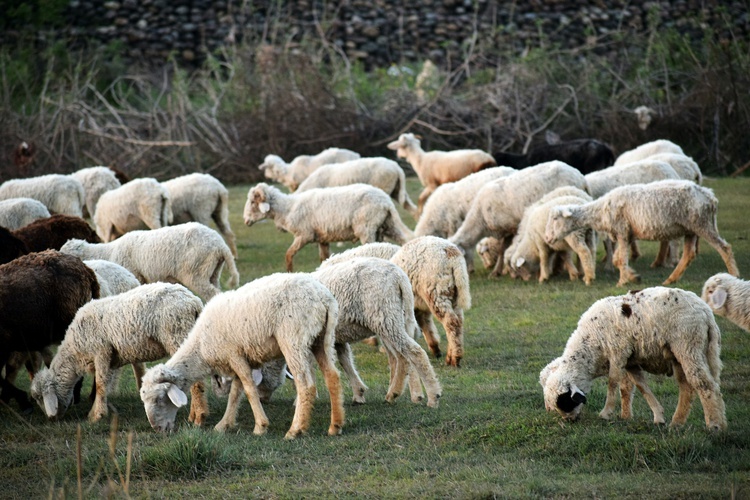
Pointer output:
688, 254
300, 365
616, 375
608, 253
426, 192
452, 322
198, 404
419, 365
722, 247
626, 398
415, 386
346, 360
229, 420
620, 260
635, 251
685, 398
570, 266
295, 247
586, 259
657, 409
695, 370
498, 269
430, 333
324, 251
138, 370
544, 263
221, 218
661, 257
244, 372
101, 374
333, 383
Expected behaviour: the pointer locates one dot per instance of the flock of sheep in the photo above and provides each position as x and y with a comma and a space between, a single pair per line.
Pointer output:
144, 283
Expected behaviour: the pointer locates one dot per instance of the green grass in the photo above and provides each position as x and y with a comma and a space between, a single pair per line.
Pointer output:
490, 437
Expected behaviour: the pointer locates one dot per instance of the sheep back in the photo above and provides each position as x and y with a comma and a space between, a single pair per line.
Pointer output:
18, 212
59, 193
54, 231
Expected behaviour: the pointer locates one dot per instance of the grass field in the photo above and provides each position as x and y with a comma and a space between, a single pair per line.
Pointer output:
489, 438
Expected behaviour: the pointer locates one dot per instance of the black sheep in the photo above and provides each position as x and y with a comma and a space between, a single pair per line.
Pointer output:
587, 155
51, 233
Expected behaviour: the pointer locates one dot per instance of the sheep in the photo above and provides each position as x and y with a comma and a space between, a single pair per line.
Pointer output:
662, 210
95, 181
53, 232
438, 167
440, 281
142, 324
489, 249
292, 174
379, 172
656, 330
324, 215
201, 198
728, 296
498, 207
61, 194
289, 315
190, 254
376, 298
18, 212
11, 247
39, 296
638, 172
683, 165
139, 204
648, 149
586, 155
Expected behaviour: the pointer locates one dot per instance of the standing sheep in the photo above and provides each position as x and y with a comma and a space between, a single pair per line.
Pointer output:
61, 194
139, 204
648, 149
95, 181
729, 297
289, 315
18, 212
327, 215
292, 174
52, 233
586, 155
656, 330
685, 167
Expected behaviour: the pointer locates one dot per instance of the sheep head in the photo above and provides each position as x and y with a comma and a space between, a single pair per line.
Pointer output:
403, 144
559, 224
273, 167
715, 292
257, 206
44, 390
74, 247
161, 397
560, 393
488, 249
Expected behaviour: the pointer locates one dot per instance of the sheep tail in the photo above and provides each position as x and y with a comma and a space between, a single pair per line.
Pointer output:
403, 197
713, 350
234, 275
397, 229
167, 217
461, 281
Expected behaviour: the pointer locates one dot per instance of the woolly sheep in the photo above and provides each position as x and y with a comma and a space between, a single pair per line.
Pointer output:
638, 172
139, 204
18, 212
142, 324
289, 315
655, 330
729, 297
498, 207
53, 232
11, 247
292, 174
95, 181
585, 155
382, 173
648, 149
659, 211
685, 167
326, 215
488, 249
61, 194
438, 167
190, 254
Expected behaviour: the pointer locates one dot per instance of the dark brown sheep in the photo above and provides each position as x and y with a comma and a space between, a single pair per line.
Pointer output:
52, 233
10, 246
587, 155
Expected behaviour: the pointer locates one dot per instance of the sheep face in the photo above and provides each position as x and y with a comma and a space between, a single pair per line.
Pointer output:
272, 167
44, 392
488, 249
522, 268
560, 394
161, 401
404, 143
559, 224
257, 206
74, 247
715, 292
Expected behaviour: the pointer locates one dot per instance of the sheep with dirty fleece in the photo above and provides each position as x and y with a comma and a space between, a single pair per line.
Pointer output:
648, 149
292, 174
380, 172
289, 315
139, 204
61, 194
95, 181
729, 297
325, 215
649, 330
201, 198
18, 212
190, 254
658, 211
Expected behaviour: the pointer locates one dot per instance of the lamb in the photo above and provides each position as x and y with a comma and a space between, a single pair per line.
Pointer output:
498, 207
656, 330
18, 212
660, 211
139, 204
61, 194
39, 296
201, 198
95, 181
729, 297
190, 254
292, 174
438, 167
289, 315
142, 324
53, 232
325, 215
379, 172
648, 149
376, 298
586, 155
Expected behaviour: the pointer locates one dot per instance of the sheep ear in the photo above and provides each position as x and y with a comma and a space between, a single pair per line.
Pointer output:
288, 374
257, 376
264, 207
520, 261
566, 212
50, 402
718, 298
176, 396
577, 395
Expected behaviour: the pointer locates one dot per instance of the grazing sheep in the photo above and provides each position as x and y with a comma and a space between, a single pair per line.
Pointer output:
95, 181
326, 215
586, 155
729, 297
289, 315
39, 296
659, 211
292, 174
139, 204
18, 212
438, 167
52, 233
142, 324
657, 330
201, 198
376, 298
61, 194
648, 149
638, 172
498, 207
190, 254
11, 247
685, 167
379, 172
489, 249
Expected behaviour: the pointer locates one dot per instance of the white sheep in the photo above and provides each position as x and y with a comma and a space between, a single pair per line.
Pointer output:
201, 198
325, 215
18, 212
685, 166
380, 172
146, 323
639, 172
292, 174
113, 278
729, 297
438, 167
659, 211
191, 254
489, 250
61, 194
656, 330
648, 149
95, 181
498, 207
289, 315
138, 204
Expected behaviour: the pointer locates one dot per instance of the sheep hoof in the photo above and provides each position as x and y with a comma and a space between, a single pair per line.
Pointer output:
358, 401
334, 430
606, 415
417, 398
294, 434
261, 429
659, 420
391, 398
223, 427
